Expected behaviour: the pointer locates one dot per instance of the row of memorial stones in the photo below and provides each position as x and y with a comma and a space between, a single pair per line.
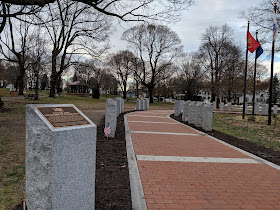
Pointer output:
264, 108
197, 113
113, 109
142, 104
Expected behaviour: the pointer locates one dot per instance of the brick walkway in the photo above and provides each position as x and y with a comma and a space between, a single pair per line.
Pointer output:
180, 168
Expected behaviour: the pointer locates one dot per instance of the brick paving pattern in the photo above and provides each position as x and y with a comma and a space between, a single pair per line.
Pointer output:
199, 185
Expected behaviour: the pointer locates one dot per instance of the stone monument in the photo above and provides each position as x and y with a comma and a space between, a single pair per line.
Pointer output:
111, 116
257, 107
275, 109
139, 105
229, 107
185, 111
177, 108
60, 158
198, 115
191, 113
222, 105
207, 117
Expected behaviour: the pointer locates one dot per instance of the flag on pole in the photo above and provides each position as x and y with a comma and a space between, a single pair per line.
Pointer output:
107, 129
259, 50
252, 43
275, 26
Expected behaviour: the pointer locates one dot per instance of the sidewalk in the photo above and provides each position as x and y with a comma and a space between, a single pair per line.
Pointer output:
181, 168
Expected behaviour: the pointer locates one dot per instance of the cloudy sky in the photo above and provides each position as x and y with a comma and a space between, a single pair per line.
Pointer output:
199, 17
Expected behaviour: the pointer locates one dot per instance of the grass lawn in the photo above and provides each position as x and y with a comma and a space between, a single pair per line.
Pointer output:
254, 131
12, 136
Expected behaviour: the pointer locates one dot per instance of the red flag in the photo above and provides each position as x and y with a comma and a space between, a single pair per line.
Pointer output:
252, 43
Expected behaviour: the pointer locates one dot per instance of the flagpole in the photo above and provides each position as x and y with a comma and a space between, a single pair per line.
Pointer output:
255, 72
271, 75
245, 74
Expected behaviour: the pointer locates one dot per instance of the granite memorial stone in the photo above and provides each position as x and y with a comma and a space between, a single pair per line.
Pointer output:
198, 115
275, 109
111, 116
207, 117
178, 108
222, 105
229, 107
60, 158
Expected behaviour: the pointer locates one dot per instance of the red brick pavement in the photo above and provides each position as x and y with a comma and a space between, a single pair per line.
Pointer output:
186, 185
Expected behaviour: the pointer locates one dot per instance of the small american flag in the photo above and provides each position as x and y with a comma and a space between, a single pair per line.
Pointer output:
107, 129
186, 119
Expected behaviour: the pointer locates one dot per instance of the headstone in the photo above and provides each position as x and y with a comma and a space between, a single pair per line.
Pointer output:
246, 107
122, 105
178, 108
191, 113
60, 158
147, 104
214, 105
222, 105
118, 106
207, 117
264, 109
257, 107
275, 109
185, 111
229, 107
139, 105
111, 116
198, 115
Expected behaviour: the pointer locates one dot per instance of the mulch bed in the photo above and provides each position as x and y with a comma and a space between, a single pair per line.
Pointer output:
112, 176
2, 110
260, 151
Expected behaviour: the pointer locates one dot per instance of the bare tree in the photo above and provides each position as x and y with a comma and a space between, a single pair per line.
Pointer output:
122, 64
214, 41
74, 30
157, 46
132, 10
17, 43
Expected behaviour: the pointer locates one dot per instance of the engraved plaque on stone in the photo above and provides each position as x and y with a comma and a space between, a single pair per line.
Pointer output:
60, 117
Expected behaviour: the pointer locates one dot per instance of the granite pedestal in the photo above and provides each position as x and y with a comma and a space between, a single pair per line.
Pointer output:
60, 159
111, 116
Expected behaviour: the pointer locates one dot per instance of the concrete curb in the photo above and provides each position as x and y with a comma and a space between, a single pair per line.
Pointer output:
231, 146
137, 193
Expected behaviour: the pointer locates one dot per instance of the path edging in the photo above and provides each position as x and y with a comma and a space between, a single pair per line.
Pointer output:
137, 193
231, 146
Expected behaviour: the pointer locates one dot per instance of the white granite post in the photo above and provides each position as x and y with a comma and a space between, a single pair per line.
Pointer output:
207, 117
144, 104
138, 105
147, 104
214, 105
185, 111
177, 108
60, 158
198, 115
122, 105
191, 113
118, 106
264, 110
275, 108
229, 107
111, 116
222, 105
246, 107
257, 107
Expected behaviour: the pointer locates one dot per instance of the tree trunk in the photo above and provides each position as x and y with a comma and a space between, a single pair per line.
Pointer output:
151, 94
53, 84
21, 79
137, 89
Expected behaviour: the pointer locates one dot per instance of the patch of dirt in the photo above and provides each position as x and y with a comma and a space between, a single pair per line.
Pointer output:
260, 151
2, 110
112, 176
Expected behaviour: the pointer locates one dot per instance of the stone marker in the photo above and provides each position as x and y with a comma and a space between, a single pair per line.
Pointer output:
111, 116
144, 104
198, 115
191, 113
122, 104
229, 107
214, 105
185, 111
264, 109
275, 109
207, 117
139, 105
222, 105
246, 107
60, 158
178, 107
147, 104
257, 107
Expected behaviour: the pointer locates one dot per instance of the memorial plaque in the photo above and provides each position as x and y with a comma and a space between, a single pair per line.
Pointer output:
60, 117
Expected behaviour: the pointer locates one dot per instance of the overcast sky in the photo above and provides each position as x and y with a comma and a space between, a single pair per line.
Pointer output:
199, 17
